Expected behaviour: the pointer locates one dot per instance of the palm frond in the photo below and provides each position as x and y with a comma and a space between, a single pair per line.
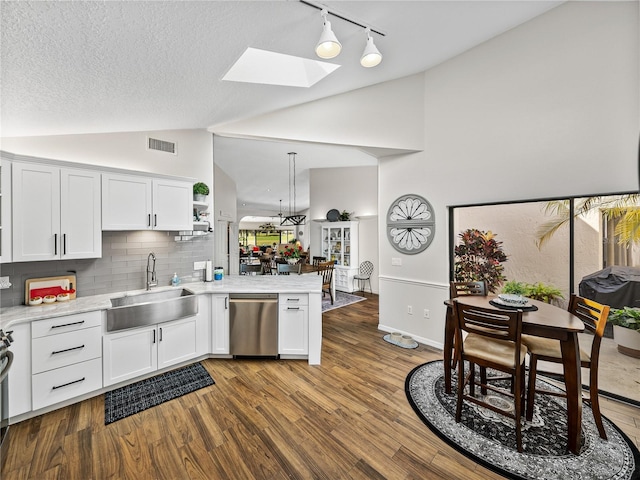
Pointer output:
548, 229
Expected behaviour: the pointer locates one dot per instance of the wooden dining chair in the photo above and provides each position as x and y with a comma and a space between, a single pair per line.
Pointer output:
267, 265
457, 289
286, 269
326, 270
493, 341
594, 316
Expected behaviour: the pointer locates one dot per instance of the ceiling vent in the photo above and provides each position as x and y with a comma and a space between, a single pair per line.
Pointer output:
161, 145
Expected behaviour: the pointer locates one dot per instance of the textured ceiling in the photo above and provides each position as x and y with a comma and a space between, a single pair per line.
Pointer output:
93, 66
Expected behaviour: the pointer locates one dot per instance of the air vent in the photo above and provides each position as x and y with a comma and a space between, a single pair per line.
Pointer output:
161, 145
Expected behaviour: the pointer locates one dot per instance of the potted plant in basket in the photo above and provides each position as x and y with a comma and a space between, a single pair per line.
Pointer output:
292, 253
200, 192
626, 330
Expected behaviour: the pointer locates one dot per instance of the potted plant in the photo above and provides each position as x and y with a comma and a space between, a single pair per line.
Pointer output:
626, 330
537, 291
200, 192
479, 256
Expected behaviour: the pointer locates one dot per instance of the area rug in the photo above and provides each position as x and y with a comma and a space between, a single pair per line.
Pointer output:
489, 438
342, 300
139, 396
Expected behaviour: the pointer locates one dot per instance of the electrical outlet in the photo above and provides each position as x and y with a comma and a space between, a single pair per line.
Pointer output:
409, 309
396, 261
426, 313
4, 282
199, 265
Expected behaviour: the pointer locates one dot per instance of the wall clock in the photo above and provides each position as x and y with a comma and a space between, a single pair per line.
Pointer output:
411, 224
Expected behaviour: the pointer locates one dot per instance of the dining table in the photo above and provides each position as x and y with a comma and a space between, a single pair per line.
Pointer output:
546, 321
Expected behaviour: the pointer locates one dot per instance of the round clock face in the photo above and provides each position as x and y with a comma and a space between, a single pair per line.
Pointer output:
411, 224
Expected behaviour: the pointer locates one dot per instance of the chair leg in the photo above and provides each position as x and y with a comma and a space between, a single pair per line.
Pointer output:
595, 402
460, 391
483, 380
519, 381
531, 389
472, 379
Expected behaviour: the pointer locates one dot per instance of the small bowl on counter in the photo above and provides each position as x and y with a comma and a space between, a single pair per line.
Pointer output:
35, 300
62, 297
49, 298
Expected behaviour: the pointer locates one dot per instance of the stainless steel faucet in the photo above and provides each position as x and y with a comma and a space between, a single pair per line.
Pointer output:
151, 281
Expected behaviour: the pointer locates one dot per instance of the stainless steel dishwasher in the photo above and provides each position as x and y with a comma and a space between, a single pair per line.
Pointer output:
253, 324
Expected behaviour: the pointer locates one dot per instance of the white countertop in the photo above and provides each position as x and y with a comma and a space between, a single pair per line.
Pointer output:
230, 284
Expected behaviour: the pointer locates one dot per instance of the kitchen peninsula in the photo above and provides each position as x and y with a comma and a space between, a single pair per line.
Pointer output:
64, 352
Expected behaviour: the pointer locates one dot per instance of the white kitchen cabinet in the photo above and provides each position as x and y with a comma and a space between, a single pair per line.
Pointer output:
293, 324
20, 373
66, 358
136, 202
138, 351
5, 212
339, 242
129, 354
220, 324
59, 212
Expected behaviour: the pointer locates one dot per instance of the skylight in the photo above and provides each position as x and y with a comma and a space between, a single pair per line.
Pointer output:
270, 68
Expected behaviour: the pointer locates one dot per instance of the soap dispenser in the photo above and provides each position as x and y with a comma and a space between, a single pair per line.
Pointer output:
175, 281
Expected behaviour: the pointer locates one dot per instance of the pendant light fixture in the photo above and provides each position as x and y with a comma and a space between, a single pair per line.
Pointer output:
293, 218
328, 46
371, 55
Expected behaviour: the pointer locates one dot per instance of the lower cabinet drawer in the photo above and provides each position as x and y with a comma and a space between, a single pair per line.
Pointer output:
55, 351
64, 383
293, 299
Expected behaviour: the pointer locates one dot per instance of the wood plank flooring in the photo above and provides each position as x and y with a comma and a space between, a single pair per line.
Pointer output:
346, 419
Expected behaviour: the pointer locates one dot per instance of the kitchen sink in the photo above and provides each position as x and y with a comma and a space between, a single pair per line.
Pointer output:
150, 308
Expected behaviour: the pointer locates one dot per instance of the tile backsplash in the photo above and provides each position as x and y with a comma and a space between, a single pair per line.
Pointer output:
122, 266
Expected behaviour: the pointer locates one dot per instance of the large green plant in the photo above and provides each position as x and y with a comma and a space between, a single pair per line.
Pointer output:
479, 256
628, 317
622, 207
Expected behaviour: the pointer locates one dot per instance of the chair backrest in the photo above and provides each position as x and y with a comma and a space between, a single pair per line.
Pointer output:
266, 266
326, 270
245, 268
286, 269
366, 268
317, 260
594, 316
458, 289
496, 324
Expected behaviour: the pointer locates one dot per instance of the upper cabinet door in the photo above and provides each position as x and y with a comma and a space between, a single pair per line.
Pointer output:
126, 202
172, 205
80, 214
36, 212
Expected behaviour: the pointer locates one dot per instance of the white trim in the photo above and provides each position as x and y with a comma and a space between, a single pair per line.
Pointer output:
410, 281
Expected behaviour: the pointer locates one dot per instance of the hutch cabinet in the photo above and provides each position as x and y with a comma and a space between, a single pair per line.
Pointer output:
339, 242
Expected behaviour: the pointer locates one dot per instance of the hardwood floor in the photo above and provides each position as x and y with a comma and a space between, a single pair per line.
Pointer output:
346, 419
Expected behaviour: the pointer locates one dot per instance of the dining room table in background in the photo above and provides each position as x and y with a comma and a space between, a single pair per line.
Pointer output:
547, 321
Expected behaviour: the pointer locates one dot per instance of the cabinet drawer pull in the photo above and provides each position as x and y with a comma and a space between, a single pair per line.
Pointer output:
68, 324
67, 350
148, 220
160, 339
155, 220
293, 308
293, 299
64, 243
55, 387
55, 244
154, 335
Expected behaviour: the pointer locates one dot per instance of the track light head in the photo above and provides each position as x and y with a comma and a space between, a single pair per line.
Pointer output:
371, 55
328, 46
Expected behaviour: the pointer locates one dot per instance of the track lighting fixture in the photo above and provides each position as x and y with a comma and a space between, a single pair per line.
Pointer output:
371, 55
328, 46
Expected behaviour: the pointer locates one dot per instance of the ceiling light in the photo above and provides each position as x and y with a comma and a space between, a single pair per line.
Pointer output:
371, 55
328, 46
293, 218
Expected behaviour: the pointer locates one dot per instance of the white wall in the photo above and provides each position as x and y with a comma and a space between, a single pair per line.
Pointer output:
127, 150
354, 189
548, 109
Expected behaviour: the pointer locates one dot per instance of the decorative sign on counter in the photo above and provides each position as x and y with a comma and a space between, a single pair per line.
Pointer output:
38, 291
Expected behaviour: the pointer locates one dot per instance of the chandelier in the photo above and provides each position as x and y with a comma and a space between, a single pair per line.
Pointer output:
293, 218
